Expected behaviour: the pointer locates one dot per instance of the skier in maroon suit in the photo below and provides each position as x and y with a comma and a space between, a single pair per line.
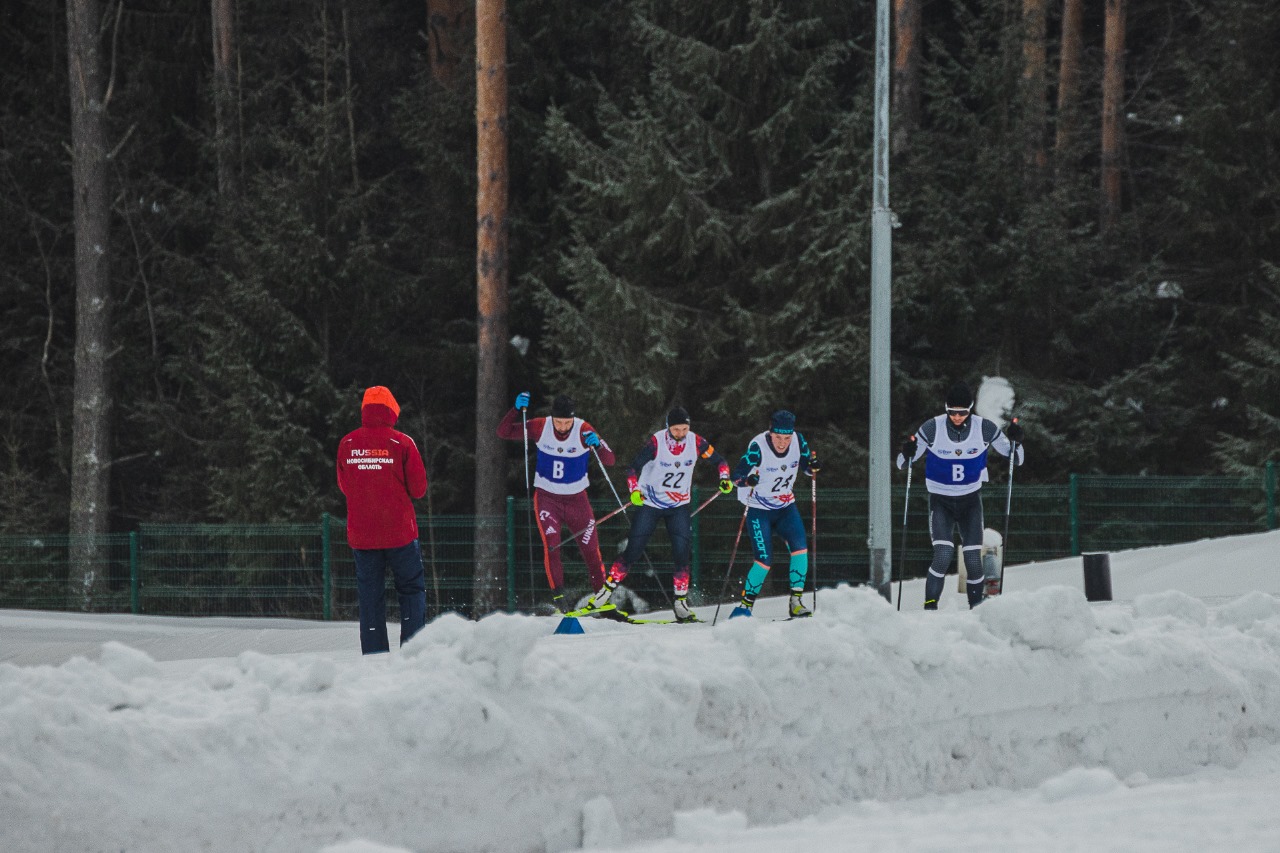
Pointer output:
565, 444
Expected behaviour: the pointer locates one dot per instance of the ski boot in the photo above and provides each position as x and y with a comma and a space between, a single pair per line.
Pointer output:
599, 601
682, 611
796, 608
744, 607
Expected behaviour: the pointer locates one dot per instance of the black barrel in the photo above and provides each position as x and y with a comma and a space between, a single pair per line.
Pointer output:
1097, 577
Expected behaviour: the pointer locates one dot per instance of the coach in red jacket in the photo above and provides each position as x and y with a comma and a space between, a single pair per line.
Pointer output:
380, 471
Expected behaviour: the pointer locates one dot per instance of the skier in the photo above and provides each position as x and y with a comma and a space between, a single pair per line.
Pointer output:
565, 444
954, 470
765, 477
380, 472
660, 478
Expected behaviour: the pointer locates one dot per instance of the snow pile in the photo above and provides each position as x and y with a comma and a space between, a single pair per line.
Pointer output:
498, 735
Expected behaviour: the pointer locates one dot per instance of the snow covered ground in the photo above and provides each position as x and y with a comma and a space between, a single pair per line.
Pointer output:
1037, 722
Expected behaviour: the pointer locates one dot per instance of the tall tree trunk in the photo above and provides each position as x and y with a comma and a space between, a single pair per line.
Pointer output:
906, 72
446, 28
1034, 27
91, 403
1112, 104
1069, 82
491, 298
225, 99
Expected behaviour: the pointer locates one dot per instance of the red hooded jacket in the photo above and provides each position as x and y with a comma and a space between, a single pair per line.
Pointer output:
380, 471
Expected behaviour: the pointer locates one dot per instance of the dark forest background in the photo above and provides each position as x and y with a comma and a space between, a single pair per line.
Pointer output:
690, 212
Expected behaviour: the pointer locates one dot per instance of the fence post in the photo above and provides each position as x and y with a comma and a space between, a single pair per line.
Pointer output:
1075, 516
695, 568
326, 567
135, 582
1271, 494
511, 554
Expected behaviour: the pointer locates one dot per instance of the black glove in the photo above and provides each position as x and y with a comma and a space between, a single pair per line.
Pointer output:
908, 449
1015, 431
726, 486
752, 480
814, 465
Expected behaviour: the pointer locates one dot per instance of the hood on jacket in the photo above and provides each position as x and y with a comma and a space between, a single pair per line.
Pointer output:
379, 407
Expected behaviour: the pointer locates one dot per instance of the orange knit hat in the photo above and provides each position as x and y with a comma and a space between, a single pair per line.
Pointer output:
381, 394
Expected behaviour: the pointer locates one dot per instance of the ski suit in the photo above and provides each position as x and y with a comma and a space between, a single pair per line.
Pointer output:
771, 508
662, 471
955, 469
560, 491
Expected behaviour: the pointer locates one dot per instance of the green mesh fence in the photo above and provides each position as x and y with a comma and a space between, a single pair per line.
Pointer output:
1115, 513
232, 570
306, 570
47, 571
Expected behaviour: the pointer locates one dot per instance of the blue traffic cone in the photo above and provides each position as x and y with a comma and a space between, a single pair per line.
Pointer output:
570, 625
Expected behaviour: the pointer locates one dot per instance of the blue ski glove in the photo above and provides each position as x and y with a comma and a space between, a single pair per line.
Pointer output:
590, 439
1015, 431
522, 400
637, 498
726, 486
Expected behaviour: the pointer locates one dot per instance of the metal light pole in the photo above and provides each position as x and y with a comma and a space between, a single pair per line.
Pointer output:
879, 536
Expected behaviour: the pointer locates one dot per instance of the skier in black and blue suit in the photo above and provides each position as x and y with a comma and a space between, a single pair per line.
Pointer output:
955, 445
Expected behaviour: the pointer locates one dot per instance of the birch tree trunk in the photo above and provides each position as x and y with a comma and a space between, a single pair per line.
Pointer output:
491, 299
91, 403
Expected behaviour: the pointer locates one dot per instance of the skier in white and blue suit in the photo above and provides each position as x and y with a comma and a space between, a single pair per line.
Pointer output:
766, 477
955, 449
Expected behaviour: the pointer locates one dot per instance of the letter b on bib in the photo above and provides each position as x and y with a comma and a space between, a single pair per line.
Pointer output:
957, 473
557, 470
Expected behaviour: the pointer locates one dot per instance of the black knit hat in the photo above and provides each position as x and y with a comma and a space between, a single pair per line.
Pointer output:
959, 396
562, 406
782, 422
677, 415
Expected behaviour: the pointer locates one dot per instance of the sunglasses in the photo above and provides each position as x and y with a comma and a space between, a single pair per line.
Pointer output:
960, 413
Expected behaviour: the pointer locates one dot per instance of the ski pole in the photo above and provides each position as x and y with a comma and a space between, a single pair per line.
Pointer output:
902, 568
528, 497
564, 540
605, 472
813, 537
1008, 506
703, 505
733, 556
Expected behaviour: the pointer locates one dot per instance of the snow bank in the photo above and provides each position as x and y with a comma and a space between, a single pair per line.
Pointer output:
498, 735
